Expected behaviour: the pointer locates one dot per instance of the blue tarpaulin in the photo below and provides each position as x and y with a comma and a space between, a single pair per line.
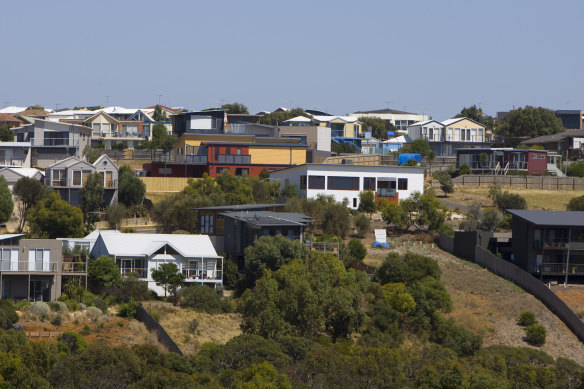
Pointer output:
390, 133
405, 157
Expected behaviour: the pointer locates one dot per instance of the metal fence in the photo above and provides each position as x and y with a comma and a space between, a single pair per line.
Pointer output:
522, 182
523, 279
152, 325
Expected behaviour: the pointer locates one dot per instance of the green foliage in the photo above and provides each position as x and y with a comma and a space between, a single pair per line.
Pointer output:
72, 343
407, 269
170, 278
262, 375
131, 189
73, 289
362, 223
276, 118
91, 154
411, 162
367, 202
36, 107
476, 113
6, 134
477, 219
237, 190
344, 148
235, 108
203, 298
54, 218
379, 127
170, 212
535, 334
193, 326
418, 146
128, 309
230, 274
446, 183
104, 272
529, 122
115, 214
290, 191
494, 192
464, 169
27, 192
575, 170
92, 197
120, 146
576, 204
356, 249
8, 309
336, 220
6, 204
456, 337
416, 211
57, 320
159, 114
507, 200
527, 318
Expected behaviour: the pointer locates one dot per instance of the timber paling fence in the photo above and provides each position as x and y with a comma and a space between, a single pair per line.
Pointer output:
152, 325
522, 182
524, 280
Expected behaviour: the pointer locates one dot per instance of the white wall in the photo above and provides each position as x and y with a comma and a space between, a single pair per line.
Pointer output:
323, 139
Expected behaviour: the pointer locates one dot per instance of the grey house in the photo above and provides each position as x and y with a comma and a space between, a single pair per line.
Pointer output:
52, 141
548, 243
67, 177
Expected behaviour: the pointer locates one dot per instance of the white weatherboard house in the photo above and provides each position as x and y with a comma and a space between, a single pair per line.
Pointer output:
347, 181
194, 255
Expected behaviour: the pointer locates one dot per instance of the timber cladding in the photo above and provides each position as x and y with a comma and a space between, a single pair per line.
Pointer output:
165, 184
522, 182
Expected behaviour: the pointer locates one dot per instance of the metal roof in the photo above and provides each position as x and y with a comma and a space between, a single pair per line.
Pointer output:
241, 207
550, 218
387, 110
271, 219
554, 138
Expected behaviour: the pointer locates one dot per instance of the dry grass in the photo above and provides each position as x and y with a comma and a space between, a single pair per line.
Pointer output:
555, 200
215, 328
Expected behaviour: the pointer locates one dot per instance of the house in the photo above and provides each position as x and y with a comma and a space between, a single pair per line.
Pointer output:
108, 130
52, 141
10, 121
342, 181
35, 269
196, 122
315, 137
141, 253
15, 154
548, 243
566, 143
13, 174
400, 119
211, 220
241, 229
501, 160
341, 126
67, 177
213, 154
431, 131
457, 133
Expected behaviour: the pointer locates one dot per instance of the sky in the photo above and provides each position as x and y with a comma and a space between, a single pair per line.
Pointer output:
432, 57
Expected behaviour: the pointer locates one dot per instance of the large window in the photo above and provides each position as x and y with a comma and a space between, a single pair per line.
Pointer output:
240, 171
39, 260
316, 182
206, 224
77, 177
369, 183
402, 184
386, 187
343, 183
9, 259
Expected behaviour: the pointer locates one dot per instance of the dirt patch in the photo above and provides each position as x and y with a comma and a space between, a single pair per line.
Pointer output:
574, 298
490, 305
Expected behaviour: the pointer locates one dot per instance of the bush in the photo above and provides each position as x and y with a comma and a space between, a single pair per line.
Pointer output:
203, 298
230, 274
535, 334
576, 170
527, 318
464, 169
128, 309
8, 309
72, 305
193, 326
39, 308
508, 200
22, 305
356, 249
362, 223
57, 320
99, 303
576, 204
94, 312
58, 306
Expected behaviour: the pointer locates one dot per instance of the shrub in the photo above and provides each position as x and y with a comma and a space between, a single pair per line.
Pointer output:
22, 305
39, 308
82, 307
7, 308
94, 312
576, 204
356, 249
99, 303
465, 169
527, 318
57, 320
230, 274
72, 342
204, 299
362, 223
535, 334
58, 306
193, 326
576, 170
128, 309
508, 200
72, 305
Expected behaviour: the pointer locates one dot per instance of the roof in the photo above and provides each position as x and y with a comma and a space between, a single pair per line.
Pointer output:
551, 218
241, 207
10, 236
348, 119
387, 110
555, 137
426, 122
69, 161
188, 246
270, 219
33, 112
338, 166
14, 144
22, 171
4, 117
298, 119
12, 109
448, 122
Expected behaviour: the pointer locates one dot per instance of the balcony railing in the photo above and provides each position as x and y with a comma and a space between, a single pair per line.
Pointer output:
202, 275
142, 273
11, 162
26, 266
66, 182
560, 268
179, 158
233, 159
74, 267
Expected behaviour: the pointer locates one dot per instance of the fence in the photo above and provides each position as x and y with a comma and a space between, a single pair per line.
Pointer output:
522, 182
164, 184
523, 279
152, 325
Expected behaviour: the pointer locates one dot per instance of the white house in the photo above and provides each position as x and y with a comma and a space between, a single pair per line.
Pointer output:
347, 181
194, 255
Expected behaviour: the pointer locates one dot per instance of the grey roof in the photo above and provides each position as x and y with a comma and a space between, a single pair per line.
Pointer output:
271, 219
555, 137
551, 218
386, 110
242, 207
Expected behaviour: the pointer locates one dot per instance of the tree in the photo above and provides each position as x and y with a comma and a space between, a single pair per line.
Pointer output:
379, 127
576, 204
91, 154
36, 107
464, 169
362, 223
507, 200
168, 276
344, 148
418, 146
290, 191
92, 197
575, 170
336, 220
159, 114
235, 108
446, 183
529, 122
484, 158
131, 189
28, 192
6, 134
55, 218
476, 113
535, 334
276, 118
115, 214
176, 212
367, 202
356, 249
477, 219
6, 203
104, 272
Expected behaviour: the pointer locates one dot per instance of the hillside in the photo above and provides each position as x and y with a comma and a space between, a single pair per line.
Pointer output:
489, 305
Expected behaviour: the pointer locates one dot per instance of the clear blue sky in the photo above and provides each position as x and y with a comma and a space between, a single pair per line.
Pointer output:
432, 57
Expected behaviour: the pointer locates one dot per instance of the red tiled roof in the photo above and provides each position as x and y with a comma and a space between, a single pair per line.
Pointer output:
33, 112
4, 117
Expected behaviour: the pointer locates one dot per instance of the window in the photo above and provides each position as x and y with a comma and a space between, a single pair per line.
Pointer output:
316, 182
240, 171
343, 183
163, 170
77, 177
206, 224
480, 135
541, 156
354, 202
227, 150
58, 178
369, 183
533, 156
386, 187
39, 259
238, 151
430, 133
302, 182
221, 170
402, 184
9, 259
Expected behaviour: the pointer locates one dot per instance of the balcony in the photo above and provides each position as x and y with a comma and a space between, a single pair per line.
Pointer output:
560, 268
11, 162
32, 267
197, 159
233, 159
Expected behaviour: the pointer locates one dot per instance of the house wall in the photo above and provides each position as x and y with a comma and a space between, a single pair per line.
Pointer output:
277, 155
521, 243
537, 162
317, 137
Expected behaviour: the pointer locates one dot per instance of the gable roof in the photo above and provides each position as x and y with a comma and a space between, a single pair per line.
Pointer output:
550, 218
387, 110
104, 157
448, 122
33, 112
555, 137
188, 246
298, 119
326, 119
146, 116
4, 117
102, 113
425, 122
22, 171
70, 161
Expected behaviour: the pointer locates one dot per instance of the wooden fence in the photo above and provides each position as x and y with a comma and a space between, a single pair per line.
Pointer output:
524, 280
164, 184
522, 182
